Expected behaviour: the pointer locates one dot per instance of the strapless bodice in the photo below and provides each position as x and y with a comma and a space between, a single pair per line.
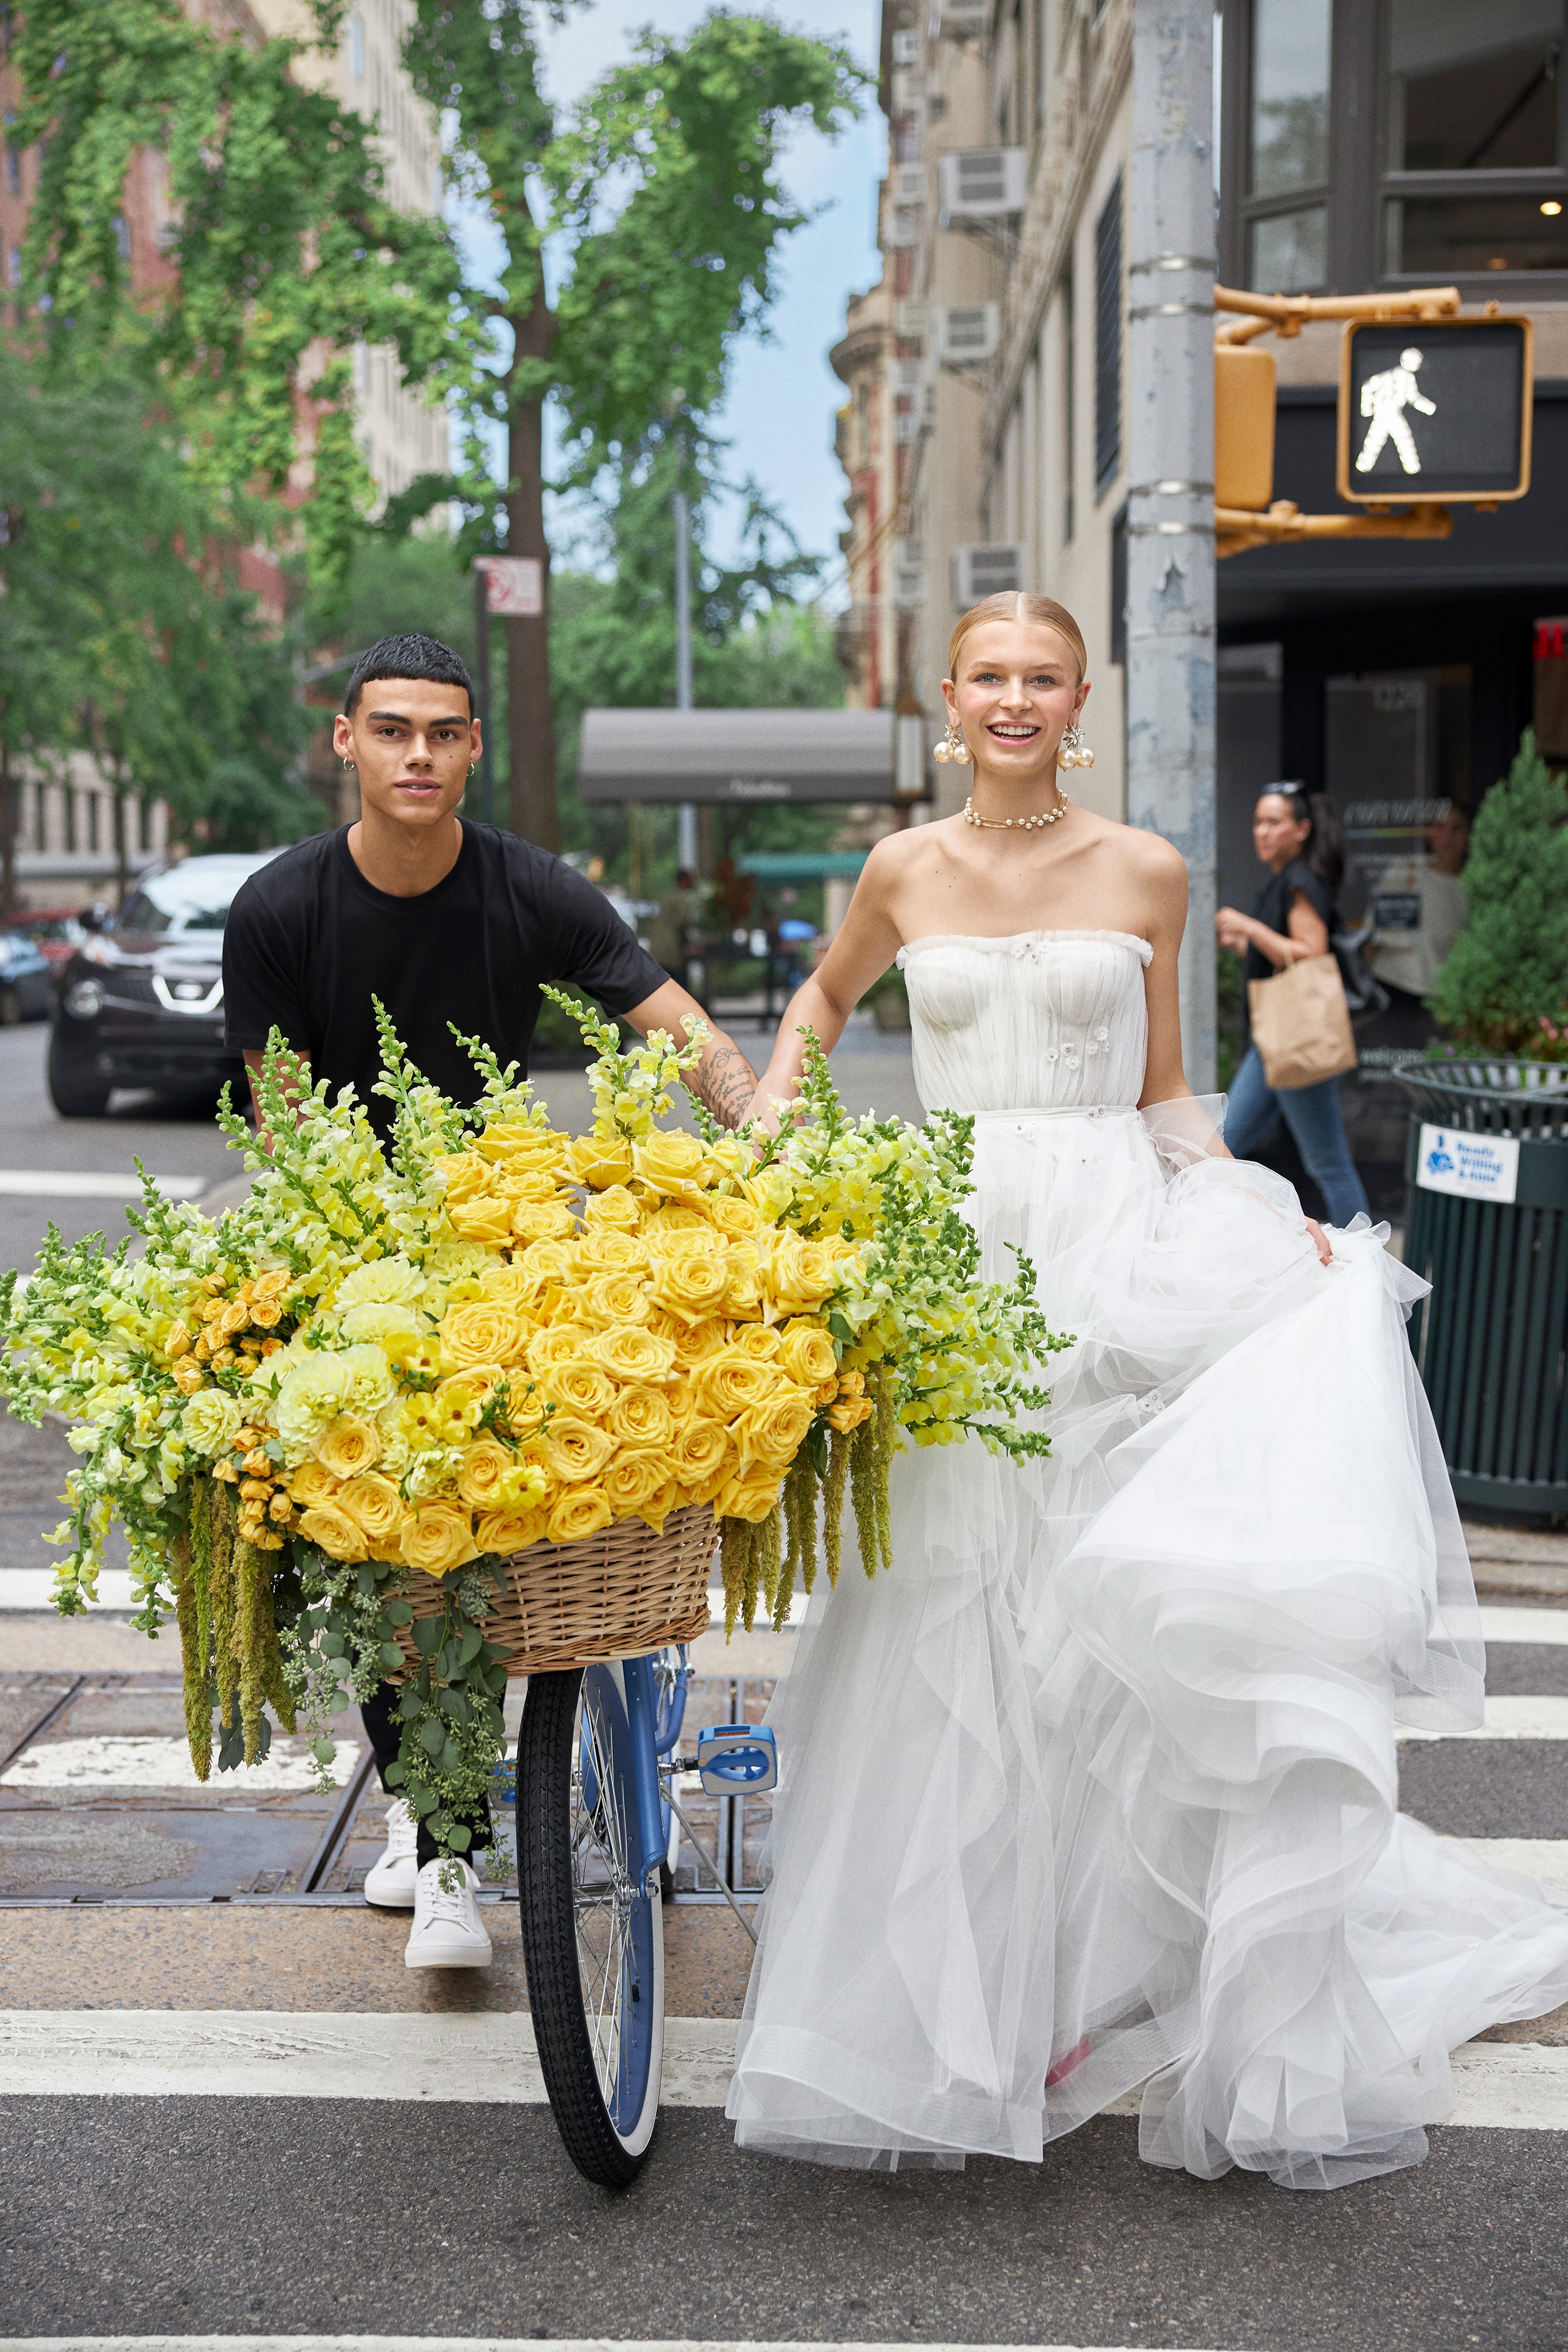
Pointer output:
1042, 1021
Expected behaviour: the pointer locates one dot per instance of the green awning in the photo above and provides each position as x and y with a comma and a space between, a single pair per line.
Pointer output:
802, 865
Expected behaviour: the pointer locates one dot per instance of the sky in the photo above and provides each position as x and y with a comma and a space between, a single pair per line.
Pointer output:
779, 414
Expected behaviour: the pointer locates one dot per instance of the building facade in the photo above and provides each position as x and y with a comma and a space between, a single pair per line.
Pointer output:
1360, 145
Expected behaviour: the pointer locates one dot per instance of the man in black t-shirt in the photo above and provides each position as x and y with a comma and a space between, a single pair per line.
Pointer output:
447, 922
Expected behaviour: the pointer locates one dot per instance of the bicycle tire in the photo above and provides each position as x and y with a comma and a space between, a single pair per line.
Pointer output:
606, 2137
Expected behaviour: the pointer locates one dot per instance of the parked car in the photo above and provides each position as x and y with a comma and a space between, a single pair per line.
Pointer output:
57, 930
26, 982
141, 1002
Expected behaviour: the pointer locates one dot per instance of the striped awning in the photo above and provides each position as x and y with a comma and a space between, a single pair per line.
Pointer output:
740, 757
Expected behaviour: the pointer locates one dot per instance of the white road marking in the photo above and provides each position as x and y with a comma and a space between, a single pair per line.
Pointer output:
1545, 1859
88, 1184
490, 2344
107, 1763
34, 1587
1544, 1626
488, 2059
1508, 1719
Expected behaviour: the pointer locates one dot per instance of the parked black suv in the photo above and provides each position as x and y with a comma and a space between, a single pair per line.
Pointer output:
141, 1004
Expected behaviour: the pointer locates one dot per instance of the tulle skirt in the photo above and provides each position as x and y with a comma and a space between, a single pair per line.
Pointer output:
1097, 1788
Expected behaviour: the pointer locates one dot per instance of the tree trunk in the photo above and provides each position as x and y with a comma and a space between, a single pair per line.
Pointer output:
530, 725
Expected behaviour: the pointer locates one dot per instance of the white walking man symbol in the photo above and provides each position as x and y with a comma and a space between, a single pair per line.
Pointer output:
1384, 398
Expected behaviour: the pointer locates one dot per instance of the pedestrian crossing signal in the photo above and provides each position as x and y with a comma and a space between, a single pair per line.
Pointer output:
1435, 408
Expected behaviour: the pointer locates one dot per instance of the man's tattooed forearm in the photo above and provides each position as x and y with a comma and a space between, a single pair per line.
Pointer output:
725, 1084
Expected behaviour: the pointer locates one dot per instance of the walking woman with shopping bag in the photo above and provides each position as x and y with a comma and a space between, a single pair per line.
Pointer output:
1302, 1040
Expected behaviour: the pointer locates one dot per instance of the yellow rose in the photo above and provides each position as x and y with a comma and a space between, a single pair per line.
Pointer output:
640, 1416
519, 1180
347, 1446
585, 1391
378, 1509
616, 1298
671, 1497
508, 1531
749, 1495
485, 1465
551, 1348
542, 1264
849, 1413
691, 1285
580, 1513
463, 1396
774, 1433
436, 1537
604, 1249
699, 1452
485, 1219
614, 1209
631, 1354
806, 1352
601, 1162
673, 1164
671, 1225
575, 1449
695, 1343
633, 1479
759, 1340
463, 1176
515, 1140
542, 1221
803, 1273
733, 1383
510, 1284
735, 1217
744, 1294
332, 1530
486, 1331
312, 1484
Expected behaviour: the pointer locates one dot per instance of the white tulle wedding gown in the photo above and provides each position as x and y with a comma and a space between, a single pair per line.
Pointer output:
1097, 1788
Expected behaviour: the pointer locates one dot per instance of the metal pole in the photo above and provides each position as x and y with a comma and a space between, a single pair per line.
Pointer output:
1169, 459
686, 815
482, 680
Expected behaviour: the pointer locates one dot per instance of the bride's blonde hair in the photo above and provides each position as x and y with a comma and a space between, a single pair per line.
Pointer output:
1029, 611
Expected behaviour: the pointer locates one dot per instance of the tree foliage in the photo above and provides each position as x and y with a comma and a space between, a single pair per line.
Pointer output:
1508, 970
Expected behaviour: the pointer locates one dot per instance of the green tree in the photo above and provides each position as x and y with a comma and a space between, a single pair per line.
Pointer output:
1508, 970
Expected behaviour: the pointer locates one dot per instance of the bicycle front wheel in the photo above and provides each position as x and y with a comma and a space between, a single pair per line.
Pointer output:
593, 1935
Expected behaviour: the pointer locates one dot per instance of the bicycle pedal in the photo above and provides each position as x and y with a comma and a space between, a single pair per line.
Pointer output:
738, 1760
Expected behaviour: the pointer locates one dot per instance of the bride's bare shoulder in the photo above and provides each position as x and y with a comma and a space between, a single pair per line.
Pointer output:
1145, 858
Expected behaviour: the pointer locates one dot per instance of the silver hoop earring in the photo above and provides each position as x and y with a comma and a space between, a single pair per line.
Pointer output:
951, 747
1072, 751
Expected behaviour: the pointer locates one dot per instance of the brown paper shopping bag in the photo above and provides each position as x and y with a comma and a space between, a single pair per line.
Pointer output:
1302, 1025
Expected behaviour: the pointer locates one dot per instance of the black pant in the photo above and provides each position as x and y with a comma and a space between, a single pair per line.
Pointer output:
384, 1729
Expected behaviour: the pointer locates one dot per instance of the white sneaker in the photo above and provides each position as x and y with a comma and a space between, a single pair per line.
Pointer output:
389, 1881
448, 1932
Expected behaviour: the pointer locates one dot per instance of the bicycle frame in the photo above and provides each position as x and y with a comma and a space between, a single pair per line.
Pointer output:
652, 1838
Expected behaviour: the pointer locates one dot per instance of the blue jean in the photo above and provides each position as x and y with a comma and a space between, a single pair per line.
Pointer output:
1312, 1115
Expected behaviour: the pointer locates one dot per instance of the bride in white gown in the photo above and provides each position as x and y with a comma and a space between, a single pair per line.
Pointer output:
1099, 1787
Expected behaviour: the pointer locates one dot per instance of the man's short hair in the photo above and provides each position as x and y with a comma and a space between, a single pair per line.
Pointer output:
415, 656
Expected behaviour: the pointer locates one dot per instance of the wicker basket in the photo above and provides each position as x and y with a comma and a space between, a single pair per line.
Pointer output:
616, 1594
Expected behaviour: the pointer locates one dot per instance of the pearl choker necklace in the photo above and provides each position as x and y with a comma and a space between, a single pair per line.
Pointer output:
1018, 824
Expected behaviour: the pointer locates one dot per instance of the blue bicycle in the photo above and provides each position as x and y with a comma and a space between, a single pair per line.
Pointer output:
597, 1827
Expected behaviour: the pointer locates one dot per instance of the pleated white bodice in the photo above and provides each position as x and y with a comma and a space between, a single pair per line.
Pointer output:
1040, 1020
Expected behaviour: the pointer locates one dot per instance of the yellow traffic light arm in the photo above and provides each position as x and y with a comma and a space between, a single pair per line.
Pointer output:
1286, 314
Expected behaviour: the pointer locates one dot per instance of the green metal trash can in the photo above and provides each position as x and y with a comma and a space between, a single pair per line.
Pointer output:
1486, 1223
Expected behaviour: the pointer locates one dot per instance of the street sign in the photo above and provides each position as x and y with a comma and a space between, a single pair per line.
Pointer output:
514, 586
1435, 409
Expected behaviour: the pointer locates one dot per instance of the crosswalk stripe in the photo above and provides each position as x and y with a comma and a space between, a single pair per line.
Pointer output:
100, 1765
1508, 1719
497, 2344
488, 2059
88, 1184
1548, 1627
1543, 1858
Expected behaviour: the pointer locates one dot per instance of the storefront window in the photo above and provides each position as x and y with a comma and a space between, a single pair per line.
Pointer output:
1472, 85
1289, 144
1445, 236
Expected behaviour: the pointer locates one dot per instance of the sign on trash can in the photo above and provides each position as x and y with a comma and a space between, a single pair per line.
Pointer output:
1436, 408
1471, 1167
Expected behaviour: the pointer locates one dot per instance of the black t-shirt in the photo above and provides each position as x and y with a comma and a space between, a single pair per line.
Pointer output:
309, 942
1273, 903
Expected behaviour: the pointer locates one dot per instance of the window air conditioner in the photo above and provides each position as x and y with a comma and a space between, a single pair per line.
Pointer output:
963, 334
908, 574
903, 227
980, 571
905, 48
909, 318
982, 183
908, 183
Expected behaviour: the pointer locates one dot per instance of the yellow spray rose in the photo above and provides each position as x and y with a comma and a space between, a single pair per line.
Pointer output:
849, 1413
580, 1513
601, 1162
486, 1219
377, 1509
673, 1164
331, 1528
631, 1354
485, 1331
348, 1445
438, 1535
640, 1416
577, 1449
312, 1484
806, 1352
690, 1285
